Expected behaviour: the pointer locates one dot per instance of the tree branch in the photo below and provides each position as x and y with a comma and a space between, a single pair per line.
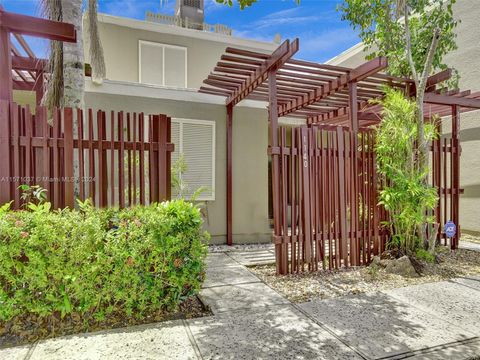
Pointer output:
409, 45
429, 60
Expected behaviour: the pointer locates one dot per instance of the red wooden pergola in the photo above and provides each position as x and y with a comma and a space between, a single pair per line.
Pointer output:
23, 73
26, 73
323, 95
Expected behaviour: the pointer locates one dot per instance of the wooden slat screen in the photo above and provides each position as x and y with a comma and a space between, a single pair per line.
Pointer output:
119, 160
328, 197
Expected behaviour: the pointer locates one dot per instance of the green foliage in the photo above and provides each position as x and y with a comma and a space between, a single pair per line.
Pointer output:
423, 254
382, 30
403, 192
32, 194
180, 186
98, 261
372, 270
179, 167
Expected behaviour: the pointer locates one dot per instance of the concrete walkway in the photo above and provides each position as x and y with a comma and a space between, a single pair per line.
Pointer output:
251, 321
469, 245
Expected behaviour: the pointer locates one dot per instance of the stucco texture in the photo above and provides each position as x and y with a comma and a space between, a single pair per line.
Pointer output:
120, 45
250, 161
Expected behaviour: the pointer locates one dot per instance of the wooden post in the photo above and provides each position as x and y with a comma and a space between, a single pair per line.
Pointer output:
39, 88
169, 159
154, 141
280, 249
456, 174
68, 157
353, 108
5, 66
229, 174
162, 157
5, 173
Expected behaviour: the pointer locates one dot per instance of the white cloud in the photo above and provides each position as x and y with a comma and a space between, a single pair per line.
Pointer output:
289, 17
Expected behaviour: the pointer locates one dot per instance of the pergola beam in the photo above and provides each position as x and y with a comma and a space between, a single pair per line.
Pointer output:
277, 59
33, 26
439, 77
433, 98
357, 74
28, 64
23, 85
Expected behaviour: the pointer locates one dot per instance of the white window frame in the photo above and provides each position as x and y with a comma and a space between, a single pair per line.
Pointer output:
163, 46
212, 123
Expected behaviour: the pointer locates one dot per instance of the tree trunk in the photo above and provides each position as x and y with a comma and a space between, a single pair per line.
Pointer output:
73, 62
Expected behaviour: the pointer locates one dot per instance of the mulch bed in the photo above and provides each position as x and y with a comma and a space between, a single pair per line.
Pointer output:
31, 328
306, 286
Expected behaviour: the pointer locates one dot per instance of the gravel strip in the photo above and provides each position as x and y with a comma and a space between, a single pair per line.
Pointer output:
330, 284
249, 247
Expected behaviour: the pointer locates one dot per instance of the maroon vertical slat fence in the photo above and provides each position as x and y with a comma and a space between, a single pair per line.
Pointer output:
327, 189
77, 156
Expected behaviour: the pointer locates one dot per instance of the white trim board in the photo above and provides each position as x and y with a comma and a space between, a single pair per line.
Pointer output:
347, 54
191, 33
125, 88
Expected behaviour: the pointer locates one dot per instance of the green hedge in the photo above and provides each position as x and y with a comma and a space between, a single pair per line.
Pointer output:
99, 261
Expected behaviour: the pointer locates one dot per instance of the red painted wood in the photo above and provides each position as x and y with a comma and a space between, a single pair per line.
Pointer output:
68, 158
141, 136
229, 175
5, 65
102, 166
91, 159
6, 108
81, 155
129, 163
56, 160
38, 27
28, 148
17, 169
40, 154
151, 165
134, 159
112, 158
121, 162
162, 157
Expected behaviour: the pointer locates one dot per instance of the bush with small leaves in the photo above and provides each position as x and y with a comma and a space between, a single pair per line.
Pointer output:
98, 261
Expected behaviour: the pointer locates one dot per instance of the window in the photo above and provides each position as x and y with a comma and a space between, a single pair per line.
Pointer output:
195, 139
161, 64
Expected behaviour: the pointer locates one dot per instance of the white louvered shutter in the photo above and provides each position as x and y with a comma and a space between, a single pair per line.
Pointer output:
195, 139
175, 139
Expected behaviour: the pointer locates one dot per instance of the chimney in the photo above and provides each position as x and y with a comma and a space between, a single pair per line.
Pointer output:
191, 13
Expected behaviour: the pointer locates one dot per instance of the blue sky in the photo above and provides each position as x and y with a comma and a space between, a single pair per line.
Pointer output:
320, 29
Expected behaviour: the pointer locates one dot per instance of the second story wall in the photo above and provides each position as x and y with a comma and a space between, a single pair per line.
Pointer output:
121, 37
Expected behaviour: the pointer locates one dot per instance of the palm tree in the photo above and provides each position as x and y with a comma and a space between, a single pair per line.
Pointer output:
66, 83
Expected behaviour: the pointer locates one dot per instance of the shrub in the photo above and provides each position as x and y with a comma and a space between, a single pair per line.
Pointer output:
423, 254
98, 261
403, 192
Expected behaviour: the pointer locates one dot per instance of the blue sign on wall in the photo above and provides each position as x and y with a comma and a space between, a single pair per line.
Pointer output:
450, 229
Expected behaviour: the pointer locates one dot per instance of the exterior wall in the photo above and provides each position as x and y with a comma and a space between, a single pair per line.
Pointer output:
120, 45
466, 59
250, 161
120, 39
